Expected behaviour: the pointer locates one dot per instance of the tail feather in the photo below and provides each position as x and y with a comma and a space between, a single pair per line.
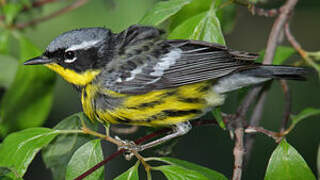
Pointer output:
278, 72
258, 74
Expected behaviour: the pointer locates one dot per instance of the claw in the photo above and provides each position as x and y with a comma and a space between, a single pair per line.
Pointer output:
129, 146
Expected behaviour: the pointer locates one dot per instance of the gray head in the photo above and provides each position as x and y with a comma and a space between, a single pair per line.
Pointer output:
78, 50
77, 39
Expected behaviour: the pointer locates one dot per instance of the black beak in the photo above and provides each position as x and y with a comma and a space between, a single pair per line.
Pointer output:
38, 60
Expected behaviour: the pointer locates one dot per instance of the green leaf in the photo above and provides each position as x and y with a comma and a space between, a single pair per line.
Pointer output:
227, 16
5, 173
27, 3
204, 26
304, 114
281, 55
216, 112
8, 68
209, 29
208, 173
286, 163
28, 100
185, 29
4, 41
194, 8
162, 11
85, 158
18, 149
11, 10
173, 172
59, 152
130, 174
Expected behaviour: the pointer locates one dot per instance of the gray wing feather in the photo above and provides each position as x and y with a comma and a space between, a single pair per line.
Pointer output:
198, 61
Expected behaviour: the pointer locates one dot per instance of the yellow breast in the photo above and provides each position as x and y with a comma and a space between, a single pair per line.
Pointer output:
87, 100
162, 107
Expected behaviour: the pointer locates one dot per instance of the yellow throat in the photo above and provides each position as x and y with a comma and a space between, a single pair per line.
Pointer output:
80, 79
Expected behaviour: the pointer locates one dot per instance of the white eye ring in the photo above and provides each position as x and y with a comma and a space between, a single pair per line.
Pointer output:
69, 57
70, 60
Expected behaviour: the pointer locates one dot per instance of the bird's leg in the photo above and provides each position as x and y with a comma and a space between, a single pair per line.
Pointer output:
178, 130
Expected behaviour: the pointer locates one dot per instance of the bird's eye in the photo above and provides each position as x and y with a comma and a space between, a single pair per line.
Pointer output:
69, 57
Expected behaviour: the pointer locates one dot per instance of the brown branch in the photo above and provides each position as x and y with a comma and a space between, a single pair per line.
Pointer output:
263, 12
287, 105
256, 10
37, 4
254, 121
66, 9
238, 152
295, 44
277, 27
139, 141
248, 100
274, 135
258, 109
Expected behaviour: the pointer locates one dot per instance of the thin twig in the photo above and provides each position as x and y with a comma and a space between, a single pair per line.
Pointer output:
258, 109
37, 4
287, 105
256, 10
97, 166
254, 121
263, 12
66, 9
238, 150
248, 100
295, 44
274, 135
277, 27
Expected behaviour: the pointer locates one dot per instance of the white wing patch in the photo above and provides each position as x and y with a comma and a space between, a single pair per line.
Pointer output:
83, 45
119, 80
135, 72
166, 61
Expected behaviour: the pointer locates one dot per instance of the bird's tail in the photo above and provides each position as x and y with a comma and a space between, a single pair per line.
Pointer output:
278, 72
259, 74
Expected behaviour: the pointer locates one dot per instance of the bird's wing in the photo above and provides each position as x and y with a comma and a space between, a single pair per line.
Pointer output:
173, 63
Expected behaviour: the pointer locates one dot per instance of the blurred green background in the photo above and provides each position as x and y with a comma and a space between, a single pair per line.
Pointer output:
209, 146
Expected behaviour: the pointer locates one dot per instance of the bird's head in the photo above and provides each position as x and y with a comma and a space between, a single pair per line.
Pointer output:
77, 55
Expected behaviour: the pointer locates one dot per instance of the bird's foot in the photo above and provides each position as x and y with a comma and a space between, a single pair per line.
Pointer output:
129, 146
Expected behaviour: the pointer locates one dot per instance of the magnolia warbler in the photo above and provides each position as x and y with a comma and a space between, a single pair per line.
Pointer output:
137, 77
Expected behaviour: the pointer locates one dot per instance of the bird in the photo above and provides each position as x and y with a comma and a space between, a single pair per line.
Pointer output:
138, 77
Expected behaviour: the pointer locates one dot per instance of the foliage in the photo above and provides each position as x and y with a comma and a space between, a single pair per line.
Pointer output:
27, 90
30, 91
58, 153
66, 150
286, 163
